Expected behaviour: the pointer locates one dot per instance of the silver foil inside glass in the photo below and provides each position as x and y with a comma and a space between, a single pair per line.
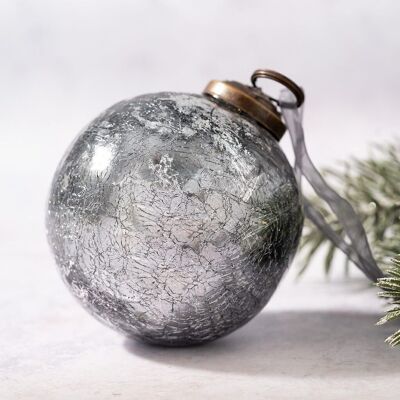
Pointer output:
173, 219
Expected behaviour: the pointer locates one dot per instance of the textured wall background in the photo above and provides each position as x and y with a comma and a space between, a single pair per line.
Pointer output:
62, 62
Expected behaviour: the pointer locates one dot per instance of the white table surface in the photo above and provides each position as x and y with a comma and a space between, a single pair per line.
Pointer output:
314, 340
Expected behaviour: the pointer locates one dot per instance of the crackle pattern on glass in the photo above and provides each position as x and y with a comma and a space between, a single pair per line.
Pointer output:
172, 219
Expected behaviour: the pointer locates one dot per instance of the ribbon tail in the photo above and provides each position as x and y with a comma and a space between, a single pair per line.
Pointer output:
358, 249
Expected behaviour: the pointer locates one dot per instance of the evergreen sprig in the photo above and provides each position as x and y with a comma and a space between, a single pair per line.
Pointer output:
371, 185
390, 286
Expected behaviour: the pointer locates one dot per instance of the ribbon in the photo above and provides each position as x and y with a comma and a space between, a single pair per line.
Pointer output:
357, 248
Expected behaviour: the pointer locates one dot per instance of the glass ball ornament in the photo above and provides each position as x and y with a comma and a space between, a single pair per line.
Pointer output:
172, 218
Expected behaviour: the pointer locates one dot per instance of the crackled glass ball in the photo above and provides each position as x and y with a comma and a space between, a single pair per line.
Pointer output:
172, 218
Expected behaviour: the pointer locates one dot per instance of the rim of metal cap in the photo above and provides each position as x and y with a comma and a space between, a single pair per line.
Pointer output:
249, 100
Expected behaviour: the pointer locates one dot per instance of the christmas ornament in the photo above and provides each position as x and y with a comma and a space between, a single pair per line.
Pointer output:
173, 216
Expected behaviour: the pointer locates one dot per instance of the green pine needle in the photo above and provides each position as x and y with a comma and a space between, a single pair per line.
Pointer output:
372, 186
394, 339
391, 290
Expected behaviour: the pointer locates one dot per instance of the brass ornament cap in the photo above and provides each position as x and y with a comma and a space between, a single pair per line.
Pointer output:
253, 102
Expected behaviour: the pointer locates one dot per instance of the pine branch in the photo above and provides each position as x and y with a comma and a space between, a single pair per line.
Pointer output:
371, 185
391, 290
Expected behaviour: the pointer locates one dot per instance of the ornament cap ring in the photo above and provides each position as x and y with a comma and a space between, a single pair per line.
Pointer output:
283, 80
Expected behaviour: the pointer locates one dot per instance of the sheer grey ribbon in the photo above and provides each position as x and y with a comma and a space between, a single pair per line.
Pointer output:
358, 249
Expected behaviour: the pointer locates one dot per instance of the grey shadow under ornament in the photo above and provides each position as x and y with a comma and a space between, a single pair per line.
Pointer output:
173, 216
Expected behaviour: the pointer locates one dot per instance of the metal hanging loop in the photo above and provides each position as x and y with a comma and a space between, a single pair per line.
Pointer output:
283, 80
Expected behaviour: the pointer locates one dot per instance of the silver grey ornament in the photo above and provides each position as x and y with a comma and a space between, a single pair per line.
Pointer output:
172, 217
